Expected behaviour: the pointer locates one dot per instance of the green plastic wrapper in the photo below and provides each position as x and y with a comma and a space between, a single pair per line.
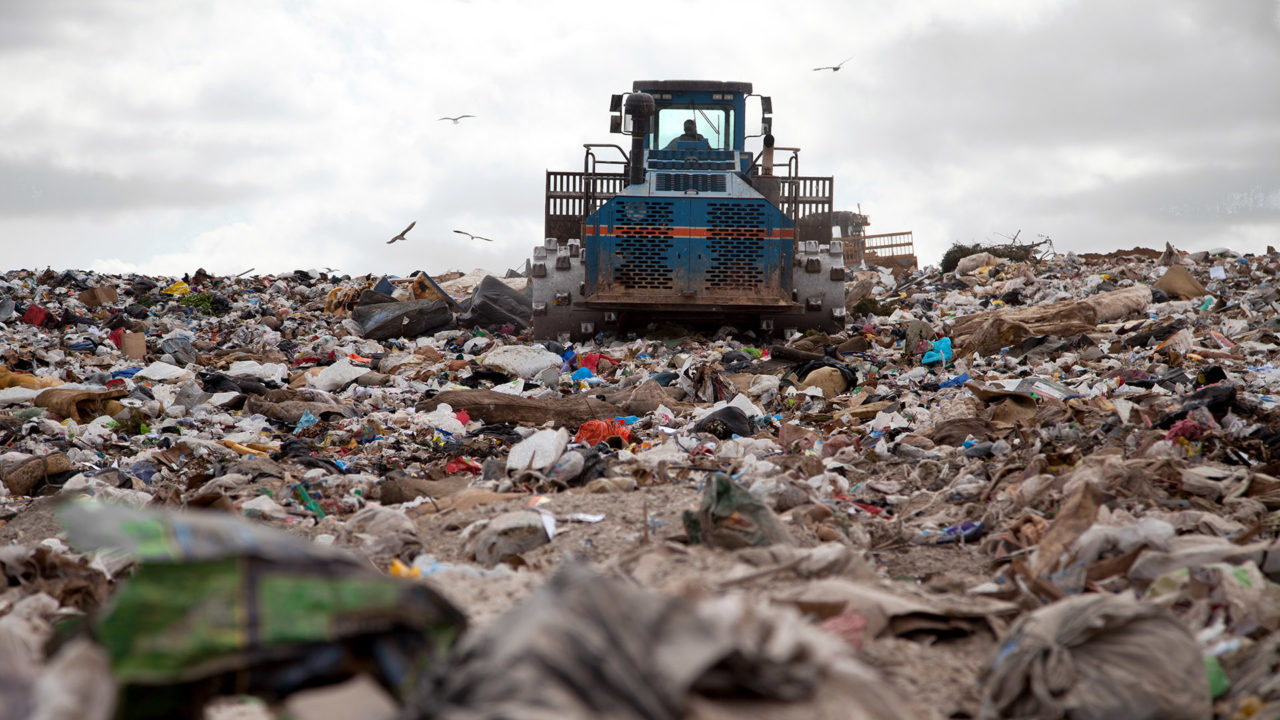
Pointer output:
731, 517
1219, 683
214, 596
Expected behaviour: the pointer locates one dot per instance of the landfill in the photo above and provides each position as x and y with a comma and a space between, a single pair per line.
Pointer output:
1026, 486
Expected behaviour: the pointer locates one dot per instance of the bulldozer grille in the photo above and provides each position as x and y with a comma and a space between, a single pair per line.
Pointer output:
644, 245
735, 246
683, 182
734, 264
690, 251
642, 265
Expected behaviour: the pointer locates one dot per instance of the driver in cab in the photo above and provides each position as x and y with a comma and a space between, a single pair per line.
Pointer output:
690, 135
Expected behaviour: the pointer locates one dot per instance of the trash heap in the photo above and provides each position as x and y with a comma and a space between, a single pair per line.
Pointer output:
1037, 488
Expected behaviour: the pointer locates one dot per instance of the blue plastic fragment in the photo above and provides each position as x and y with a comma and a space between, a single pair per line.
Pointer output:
965, 531
384, 286
306, 421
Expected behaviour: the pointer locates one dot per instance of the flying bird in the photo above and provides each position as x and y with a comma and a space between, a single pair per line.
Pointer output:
455, 119
473, 237
836, 67
402, 232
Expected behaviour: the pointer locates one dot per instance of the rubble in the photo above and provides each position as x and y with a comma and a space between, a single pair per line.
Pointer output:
901, 519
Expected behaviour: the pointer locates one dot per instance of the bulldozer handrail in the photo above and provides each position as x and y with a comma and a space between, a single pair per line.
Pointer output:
589, 162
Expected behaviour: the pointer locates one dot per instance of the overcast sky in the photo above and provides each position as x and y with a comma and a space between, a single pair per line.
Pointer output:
276, 135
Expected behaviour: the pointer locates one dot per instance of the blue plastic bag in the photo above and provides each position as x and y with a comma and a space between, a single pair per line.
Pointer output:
941, 352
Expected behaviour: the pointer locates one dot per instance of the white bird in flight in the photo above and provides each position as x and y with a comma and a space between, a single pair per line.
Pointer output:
836, 67
473, 237
455, 119
402, 232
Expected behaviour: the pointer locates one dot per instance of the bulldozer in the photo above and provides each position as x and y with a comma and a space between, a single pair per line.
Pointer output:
687, 224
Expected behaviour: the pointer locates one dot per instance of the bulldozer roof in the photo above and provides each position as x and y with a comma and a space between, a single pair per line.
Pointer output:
691, 86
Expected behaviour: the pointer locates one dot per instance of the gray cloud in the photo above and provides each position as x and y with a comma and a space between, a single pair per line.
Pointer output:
1202, 197
35, 188
29, 25
309, 128
1142, 72
1099, 122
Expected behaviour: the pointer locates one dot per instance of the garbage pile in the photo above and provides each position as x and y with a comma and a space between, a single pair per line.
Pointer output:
1045, 488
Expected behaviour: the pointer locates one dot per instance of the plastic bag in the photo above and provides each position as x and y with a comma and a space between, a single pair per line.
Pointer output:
731, 517
594, 432
1102, 657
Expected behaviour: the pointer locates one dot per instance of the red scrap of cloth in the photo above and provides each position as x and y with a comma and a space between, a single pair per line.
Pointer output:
871, 509
463, 416
463, 464
117, 337
1185, 428
590, 361
849, 627
594, 432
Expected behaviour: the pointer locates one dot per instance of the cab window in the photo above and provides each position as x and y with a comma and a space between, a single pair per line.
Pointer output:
715, 124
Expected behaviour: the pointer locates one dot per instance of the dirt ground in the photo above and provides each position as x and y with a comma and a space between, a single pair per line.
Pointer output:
939, 674
1136, 252
641, 536
35, 523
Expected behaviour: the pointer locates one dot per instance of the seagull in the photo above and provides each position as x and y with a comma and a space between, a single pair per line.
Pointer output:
836, 67
473, 237
402, 232
455, 119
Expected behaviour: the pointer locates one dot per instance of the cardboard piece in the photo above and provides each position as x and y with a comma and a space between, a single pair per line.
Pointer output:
1076, 516
94, 297
1180, 284
80, 405
494, 407
1008, 407
894, 611
134, 345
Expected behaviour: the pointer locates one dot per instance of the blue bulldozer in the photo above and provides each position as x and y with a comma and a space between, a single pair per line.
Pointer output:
687, 224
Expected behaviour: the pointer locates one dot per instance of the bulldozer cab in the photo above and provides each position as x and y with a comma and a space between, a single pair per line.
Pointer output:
716, 107
713, 125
